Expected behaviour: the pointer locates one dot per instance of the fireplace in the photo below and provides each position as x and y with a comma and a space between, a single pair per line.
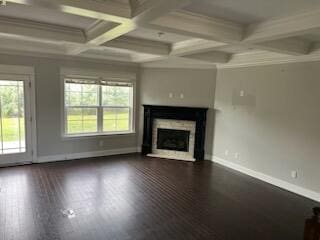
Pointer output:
174, 132
171, 139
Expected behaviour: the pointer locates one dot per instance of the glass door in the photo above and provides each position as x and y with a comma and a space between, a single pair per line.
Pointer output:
15, 120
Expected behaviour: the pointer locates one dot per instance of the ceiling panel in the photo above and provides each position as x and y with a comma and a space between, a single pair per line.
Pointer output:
154, 35
108, 53
313, 37
45, 16
249, 11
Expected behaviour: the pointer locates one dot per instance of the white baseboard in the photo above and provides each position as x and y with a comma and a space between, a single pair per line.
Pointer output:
266, 178
139, 149
72, 156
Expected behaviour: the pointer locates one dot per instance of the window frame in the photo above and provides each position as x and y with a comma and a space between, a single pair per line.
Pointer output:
99, 107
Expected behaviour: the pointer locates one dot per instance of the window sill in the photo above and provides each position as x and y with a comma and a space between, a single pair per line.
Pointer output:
98, 135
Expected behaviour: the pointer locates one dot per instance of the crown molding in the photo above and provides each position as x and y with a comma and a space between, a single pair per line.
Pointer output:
87, 59
266, 58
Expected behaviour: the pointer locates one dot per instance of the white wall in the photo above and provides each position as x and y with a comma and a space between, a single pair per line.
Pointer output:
48, 107
275, 128
197, 86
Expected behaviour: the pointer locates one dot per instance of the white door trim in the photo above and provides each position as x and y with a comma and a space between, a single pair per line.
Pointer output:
29, 73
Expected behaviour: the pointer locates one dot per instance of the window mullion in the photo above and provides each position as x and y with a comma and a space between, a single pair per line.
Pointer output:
100, 111
131, 127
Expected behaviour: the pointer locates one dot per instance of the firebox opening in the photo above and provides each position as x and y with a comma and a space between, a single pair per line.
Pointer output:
171, 139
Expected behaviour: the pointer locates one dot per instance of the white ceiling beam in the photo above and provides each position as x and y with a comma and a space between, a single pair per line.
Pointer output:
294, 25
98, 28
273, 35
33, 29
113, 33
258, 58
105, 36
194, 46
9, 43
211, 57
153, 10
220, 31
291, 46
198, 26
113, 11
139, 45
144, 58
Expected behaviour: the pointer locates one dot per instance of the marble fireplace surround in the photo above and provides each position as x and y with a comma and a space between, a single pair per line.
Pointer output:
176, 125
175, 118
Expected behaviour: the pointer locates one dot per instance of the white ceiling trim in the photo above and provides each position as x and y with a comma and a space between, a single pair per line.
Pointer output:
140, 45
290, 46
81, 58
266, 58
283, 27
40, 30
279, 37
199, 26
153, 10
213, 57
194, 46
113, 11
217, 30
89, 72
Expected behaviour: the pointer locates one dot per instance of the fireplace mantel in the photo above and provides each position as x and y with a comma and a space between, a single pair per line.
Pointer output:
199, 115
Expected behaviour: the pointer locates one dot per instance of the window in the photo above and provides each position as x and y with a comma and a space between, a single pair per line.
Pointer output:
97, 106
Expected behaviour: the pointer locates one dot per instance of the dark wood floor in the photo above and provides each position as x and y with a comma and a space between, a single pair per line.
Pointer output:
134, 197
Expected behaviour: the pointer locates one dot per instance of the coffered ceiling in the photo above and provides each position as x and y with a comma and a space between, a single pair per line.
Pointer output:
165, 33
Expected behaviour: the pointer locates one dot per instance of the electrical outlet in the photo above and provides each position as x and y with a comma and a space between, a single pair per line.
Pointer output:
226, 152
294, 174
236, 155
170, 95
241, 93
181, 95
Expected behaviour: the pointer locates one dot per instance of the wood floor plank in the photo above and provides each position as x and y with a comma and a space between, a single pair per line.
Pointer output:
135, 197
